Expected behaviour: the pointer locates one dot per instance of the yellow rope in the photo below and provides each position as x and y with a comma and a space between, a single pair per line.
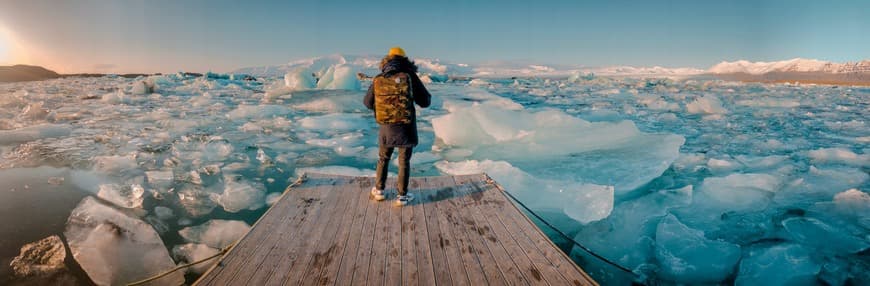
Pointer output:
164, 274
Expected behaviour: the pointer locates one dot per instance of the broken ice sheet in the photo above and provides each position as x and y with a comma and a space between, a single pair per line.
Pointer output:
114, 248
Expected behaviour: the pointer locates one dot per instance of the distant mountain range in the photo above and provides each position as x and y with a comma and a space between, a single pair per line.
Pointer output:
25, 73
795, 70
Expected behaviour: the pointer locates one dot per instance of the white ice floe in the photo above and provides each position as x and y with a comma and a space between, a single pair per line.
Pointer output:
686, 256
216, 233
707, 105
35, 132
194, 252
240, 194
839, 156
782, 264
114, 248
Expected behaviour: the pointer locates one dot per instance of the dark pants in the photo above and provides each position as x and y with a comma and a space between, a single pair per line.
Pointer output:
384, 156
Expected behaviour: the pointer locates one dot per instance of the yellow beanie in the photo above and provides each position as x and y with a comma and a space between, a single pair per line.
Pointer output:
396, 51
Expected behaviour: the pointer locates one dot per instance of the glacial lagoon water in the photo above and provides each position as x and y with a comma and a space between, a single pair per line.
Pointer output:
691, 181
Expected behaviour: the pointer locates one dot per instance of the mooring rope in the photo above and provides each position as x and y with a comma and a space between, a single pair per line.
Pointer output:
490, 181
170, 271
299, 181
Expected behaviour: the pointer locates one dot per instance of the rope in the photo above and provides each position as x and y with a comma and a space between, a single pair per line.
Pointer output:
565, 236
299, 181
164, 274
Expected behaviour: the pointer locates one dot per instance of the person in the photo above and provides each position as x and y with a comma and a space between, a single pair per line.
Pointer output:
392, 96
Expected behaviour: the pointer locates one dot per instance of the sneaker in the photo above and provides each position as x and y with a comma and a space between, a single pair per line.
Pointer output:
378, 195
404, 200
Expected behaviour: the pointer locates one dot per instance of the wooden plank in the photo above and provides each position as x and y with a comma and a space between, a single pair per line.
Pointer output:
323, 236
306, 203
446, 237
280, 254
459, 230
560, 260
487, 261
420, 234
360, 269
377, 267
479, 227
540, 273
328, 256
249, 243
393, 259
409, 254
436, 241
355, 237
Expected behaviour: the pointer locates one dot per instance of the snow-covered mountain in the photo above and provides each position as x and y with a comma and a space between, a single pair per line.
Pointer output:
369, 65
789, 66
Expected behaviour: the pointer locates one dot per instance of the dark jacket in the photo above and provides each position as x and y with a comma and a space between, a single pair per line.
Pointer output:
400, 135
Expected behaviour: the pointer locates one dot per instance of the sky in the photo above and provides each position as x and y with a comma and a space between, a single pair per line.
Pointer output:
198, 35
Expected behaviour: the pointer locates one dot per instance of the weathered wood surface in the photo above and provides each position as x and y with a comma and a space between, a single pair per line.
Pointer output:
460, 230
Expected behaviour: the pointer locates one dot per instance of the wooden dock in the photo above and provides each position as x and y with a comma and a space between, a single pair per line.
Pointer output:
459, 230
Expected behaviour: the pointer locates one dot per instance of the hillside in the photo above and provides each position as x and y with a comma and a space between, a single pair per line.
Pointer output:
18, 73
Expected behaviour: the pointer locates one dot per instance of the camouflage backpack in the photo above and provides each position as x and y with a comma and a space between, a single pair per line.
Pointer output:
393, 98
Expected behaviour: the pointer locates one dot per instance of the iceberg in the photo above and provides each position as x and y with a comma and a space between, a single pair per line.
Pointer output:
114, 248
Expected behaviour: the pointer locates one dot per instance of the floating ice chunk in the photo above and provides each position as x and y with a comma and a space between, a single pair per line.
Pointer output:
216, 233
813, 232
192, 252
339, 77
689, 162
300, 79
552, 142
853, 201
761, 163
340, 122
686, 256
263, 111
708, 104
337, 170
820, 184
782, 264
591, 203
161, 180
141, 87
114, 164
114, 248
741, 191
240, 194
125, 196
839, 156
719, 166
626, 234
420, 158
217, 149
272, 198
40, 258
33, 111
582, 202
32, 133
196, 201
